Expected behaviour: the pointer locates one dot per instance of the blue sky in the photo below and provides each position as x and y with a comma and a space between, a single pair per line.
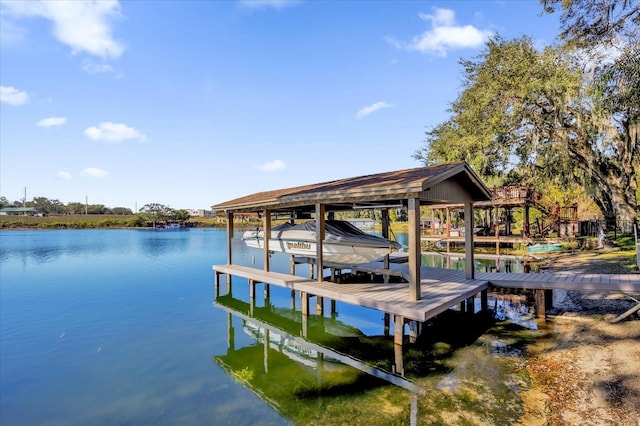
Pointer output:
189, 104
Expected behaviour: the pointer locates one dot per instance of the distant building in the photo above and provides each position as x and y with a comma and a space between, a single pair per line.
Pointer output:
200, 213
19, 211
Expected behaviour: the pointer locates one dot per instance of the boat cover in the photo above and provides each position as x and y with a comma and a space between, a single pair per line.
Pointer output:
337, 231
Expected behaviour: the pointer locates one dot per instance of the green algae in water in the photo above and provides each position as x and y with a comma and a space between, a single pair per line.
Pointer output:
462, 377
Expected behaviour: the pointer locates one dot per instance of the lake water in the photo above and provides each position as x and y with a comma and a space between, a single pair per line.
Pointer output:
104, 327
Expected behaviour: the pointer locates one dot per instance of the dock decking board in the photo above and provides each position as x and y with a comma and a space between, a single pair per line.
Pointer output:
440, 288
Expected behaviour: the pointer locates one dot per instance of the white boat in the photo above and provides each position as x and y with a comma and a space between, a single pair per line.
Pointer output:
343, 243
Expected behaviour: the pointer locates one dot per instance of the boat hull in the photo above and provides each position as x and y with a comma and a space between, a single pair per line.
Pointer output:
342, 243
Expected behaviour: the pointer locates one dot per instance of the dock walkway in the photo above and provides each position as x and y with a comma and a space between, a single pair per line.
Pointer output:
440, 290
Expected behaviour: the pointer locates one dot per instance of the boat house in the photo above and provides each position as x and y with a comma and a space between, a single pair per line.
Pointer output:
410, 189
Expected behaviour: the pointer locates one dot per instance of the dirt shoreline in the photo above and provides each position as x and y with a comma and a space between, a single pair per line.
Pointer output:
587, 370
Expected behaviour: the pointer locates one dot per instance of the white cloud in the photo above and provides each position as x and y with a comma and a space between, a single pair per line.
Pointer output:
85, 26
113, 132
445, 34
64, 175
372, 108
51, 121
12, 96
93, 68
93, 172
273, 166
265, 4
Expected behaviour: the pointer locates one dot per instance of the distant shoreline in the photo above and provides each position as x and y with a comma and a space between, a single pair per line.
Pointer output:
91, 221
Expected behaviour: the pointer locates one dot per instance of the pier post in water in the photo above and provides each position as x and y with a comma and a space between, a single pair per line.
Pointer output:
484, 300
305, 312
387, 322
398, 339
319, 305
252, 289
470, 305
540, 303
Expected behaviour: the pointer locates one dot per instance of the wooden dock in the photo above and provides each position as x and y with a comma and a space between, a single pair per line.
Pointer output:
627, 283
440, 290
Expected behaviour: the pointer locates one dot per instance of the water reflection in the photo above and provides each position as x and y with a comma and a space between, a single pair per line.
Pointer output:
482, 262
45, 246
300, 368
155, 243
295, 374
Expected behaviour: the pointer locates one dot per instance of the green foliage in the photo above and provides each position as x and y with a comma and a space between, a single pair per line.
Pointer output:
586, 23
156, 212
525, 116
182, 216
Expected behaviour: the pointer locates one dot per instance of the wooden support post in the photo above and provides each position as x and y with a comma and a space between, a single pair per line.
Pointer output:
311, 270
463, 307
292, 266
216, 284
469, 266
333, 308
319, 240
398, 336
398, 360
384, 213
229, 246
484, 300
497, 214
252, 289
305, 303
267, 291
387, 324
385, 233
471, 309
266, 230
293, 300
320, 305
548, 299
541, 308
415, 250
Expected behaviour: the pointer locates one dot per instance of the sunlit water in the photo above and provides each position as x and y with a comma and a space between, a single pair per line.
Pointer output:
104, 327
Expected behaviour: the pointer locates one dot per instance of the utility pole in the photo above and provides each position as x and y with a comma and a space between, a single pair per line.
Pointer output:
86, 205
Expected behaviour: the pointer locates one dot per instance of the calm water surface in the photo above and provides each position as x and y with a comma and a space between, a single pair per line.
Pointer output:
106, 327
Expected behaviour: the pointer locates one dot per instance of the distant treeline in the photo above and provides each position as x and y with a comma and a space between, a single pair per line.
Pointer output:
47, 206
93, 221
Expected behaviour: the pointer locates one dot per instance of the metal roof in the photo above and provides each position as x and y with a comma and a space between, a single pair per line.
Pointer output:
444, 183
